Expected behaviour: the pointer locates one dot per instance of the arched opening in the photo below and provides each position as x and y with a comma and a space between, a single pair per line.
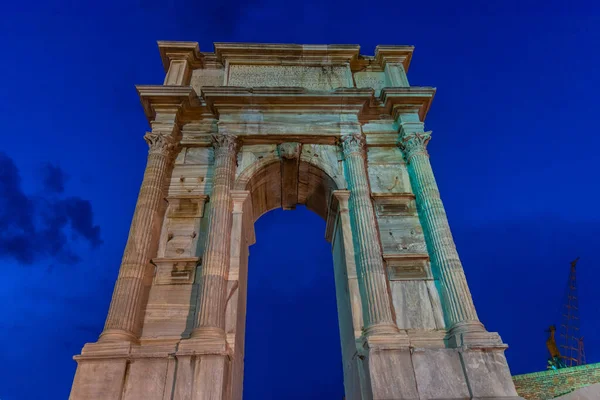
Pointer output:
292, 333
268, 186
292, 340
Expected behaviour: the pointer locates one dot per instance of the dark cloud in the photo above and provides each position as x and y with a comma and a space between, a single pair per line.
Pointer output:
53, 178
36, 227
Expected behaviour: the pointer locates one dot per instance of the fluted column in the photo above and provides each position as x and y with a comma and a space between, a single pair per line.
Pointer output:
458, 305
215, 262
124, 315
377, 311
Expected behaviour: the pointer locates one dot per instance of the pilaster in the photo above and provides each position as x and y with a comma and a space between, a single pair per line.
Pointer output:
396, 75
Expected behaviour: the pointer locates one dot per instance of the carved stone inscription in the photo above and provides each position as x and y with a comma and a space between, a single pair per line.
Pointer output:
314, 78
375, 80
206, 77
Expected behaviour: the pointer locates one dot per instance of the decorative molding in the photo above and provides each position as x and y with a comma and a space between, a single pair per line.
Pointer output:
285, 54
175, 271
394, 54
178, 100
394, 204
289, 150
353, 143
225, 142
172, 50
186, 206
414, 143
161, 143
401, 267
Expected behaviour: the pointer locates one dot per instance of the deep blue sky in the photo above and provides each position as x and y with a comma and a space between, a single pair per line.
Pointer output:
515, 124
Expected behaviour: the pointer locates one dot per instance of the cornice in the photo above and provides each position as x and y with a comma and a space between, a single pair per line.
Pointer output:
261, 53
282, 54
412, 99
180, 51
394, 54
286, 99
214, 100
170, 99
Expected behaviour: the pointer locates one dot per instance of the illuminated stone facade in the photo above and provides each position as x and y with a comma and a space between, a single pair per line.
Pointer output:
249, 128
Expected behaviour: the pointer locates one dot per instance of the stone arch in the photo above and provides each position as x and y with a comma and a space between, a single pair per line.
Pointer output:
264, 179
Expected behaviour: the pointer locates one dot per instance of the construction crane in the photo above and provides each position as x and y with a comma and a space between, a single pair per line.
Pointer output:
571, 341
571, 352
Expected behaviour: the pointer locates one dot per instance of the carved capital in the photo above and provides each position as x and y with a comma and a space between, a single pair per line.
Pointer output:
161, 143
414, 143
225, 143
289, 150
353, 143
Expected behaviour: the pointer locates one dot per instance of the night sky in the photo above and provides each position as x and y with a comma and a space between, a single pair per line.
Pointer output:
515, 141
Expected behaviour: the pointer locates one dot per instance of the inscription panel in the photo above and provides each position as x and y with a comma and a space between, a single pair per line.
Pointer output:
314, 78
206, 77
374, 80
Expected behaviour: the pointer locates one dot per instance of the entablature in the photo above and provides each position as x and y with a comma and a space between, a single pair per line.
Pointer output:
215, 100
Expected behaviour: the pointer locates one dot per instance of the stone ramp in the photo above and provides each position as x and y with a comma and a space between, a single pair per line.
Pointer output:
586, 393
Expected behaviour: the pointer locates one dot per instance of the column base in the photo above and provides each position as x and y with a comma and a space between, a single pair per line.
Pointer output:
472, 335
207, 331
381, 329
117, 335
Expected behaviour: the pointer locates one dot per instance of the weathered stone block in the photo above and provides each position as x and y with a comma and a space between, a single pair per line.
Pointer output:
412, 305
439, 374
146, 379
391, 375
206, 77
199, 155
374, 80
99, 379
211, 375
184, 378
488, 374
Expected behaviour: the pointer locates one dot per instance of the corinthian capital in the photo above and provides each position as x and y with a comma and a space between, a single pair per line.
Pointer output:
414, 143
225, 142
353, 143
161, 143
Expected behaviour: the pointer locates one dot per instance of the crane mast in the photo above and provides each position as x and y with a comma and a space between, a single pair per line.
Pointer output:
571, 348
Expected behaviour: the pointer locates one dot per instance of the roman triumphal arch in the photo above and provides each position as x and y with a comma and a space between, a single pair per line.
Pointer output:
252, 127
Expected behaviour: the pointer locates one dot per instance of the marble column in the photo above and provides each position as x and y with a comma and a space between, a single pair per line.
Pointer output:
458, 305
377, 310
215, 261
124, 315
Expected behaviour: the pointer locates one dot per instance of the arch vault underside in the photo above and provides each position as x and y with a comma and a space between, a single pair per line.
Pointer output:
250, 128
